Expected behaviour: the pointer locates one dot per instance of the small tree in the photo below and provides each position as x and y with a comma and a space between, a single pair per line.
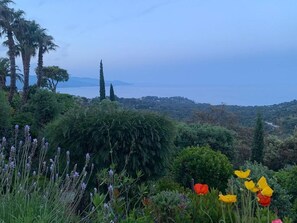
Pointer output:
111, 93
258, 143
52, 76
102, 82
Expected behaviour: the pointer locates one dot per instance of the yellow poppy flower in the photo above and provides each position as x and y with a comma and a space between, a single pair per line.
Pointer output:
267, 191
242, 174
228, 198
250, 185
262, 183
255, 189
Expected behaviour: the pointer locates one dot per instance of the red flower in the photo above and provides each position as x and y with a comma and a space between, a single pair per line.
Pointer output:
263, 200
201, 188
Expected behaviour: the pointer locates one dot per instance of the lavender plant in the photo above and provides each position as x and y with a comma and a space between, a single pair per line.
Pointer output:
36, 189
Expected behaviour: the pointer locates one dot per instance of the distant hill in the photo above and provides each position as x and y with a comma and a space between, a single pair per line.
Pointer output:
281, 118
88, 82
76, 82
178, 108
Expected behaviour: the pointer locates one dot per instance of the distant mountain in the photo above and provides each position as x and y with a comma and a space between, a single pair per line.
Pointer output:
88, 82
76, 82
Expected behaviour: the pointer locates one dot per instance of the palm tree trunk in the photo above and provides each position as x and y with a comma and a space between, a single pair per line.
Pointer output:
26, 68
39, 67
11, 54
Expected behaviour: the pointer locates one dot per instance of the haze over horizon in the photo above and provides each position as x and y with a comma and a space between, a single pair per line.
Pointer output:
226, 43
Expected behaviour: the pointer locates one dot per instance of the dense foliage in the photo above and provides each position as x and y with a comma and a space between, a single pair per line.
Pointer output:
218, 138
280, 153
278, 119
5, 111
204, 165
287, 178
44, 107
134, 140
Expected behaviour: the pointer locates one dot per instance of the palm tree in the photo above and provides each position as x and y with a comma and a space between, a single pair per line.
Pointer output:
8, 18
45, 44
4, 71
26, 33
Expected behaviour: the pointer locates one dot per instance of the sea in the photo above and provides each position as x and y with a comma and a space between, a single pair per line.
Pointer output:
243, 95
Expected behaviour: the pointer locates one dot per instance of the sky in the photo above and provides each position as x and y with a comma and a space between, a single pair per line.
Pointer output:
231, 43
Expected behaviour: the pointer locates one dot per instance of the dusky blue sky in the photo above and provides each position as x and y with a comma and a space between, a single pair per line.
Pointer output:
174, 42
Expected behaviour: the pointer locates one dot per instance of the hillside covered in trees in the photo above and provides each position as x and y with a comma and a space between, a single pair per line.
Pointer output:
279, 118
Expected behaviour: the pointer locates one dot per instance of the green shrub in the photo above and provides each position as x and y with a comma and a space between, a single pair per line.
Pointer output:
44, 106
287, 178
170, 206
203, 165
66, 102
272, 152
5, 112
130, 139
168, 184
218, 138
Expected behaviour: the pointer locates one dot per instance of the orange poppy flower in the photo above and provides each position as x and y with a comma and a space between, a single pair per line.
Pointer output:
201, 189
263, 200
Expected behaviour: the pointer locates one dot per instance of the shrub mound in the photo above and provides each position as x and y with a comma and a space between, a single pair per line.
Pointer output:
130, 139
204, 165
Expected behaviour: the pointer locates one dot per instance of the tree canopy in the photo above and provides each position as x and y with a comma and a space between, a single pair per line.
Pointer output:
52, 75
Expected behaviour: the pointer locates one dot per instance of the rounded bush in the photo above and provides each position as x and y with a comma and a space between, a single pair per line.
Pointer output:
131, 140
204, 165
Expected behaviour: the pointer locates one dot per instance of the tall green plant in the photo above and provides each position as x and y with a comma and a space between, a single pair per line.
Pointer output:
258, 141
111, 94
102, 82
8, 19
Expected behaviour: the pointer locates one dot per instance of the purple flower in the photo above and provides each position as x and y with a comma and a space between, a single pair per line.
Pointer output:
75, 174
83, 186
27, 129
110, 172
110, 188
11, 165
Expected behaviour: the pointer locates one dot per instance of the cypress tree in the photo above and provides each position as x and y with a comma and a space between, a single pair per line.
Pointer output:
102, 82
111, 93
258, 142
